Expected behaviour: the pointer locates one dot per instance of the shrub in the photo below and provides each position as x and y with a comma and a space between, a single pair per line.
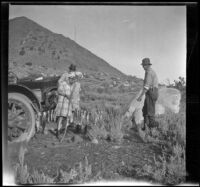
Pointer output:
97, 128
21, 174
79, 174
40, 178
21, 171
31, 48
180, 83
84, 172
67, 177
107, 125
34, 38
41, 50
113, 121
15, 63
97, 131
22, 52
172, 128
100, 90
29, 63
167, 170
170, 167
116, 133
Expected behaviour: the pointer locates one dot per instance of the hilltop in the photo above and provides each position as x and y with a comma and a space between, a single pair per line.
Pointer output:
34, 49
31, 44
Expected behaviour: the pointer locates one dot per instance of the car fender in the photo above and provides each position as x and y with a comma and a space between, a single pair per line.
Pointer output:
12, 88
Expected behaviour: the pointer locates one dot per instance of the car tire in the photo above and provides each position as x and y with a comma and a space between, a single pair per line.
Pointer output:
24, 101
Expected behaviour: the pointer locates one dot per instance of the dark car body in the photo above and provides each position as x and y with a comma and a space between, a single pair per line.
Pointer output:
34, 83
30, 101
37, 88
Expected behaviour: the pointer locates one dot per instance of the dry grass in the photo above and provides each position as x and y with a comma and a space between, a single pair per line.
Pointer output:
166, 169
169, 168
108, 126
170, 136
80, 173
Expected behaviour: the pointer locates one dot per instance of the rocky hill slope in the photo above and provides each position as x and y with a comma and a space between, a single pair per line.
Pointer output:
35, 50
35, 47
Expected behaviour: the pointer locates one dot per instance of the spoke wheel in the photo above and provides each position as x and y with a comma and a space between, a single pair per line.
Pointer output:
21, 118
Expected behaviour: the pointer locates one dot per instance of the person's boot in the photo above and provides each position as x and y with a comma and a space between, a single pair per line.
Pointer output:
85, 130
146, 122
152, 122
58, 134
58, 129
143, 127
78, 128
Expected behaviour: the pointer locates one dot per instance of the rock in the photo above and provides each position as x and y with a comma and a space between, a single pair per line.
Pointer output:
95, 141
45, 131
76, 139
116, 147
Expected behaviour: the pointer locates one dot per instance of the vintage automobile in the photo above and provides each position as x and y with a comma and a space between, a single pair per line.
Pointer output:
28, 99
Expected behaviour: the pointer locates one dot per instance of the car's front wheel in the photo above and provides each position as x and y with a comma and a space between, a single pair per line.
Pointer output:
21, 118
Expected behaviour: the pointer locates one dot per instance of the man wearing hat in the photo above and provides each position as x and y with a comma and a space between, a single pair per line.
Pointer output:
150, 89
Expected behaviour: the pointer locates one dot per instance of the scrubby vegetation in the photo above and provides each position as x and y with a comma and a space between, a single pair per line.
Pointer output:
80, 173
166, 168
169, 167
105, 123
105, 91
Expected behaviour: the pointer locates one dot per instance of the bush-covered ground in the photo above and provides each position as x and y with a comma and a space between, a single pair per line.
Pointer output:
111, 149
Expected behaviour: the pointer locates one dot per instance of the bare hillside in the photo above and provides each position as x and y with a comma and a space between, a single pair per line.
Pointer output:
32, 44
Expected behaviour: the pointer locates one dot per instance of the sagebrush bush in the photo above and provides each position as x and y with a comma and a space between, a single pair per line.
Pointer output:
170, 167
98, 131
21, 171
22, 52
116, 133
40, 178
108, 126
84, 172
167, 170
172, 128
67, 177
80, 174
23, 176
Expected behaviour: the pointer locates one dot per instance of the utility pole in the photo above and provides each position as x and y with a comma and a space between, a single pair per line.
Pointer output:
75, 33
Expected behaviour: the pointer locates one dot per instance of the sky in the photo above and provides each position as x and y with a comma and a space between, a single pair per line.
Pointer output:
121, 35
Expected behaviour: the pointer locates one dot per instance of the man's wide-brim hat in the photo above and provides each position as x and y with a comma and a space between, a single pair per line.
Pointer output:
146, 61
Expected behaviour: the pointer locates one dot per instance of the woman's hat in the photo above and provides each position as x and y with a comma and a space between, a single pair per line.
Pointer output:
72, 67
